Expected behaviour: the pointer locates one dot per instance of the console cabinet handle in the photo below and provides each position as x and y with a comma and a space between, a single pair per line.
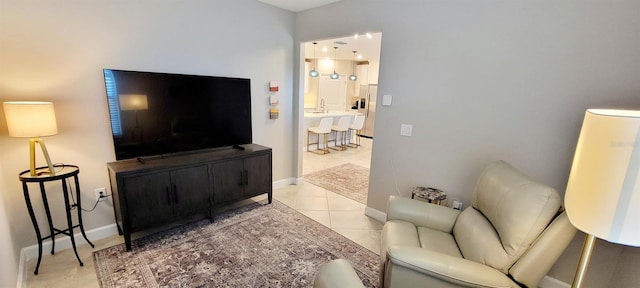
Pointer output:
175, 193
168, 196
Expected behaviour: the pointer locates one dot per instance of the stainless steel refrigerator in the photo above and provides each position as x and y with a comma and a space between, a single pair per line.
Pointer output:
367, 106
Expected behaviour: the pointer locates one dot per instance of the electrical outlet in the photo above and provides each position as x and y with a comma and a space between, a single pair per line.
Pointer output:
405, 129
101, 194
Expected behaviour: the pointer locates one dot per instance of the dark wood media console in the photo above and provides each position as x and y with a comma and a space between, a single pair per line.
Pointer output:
154, 191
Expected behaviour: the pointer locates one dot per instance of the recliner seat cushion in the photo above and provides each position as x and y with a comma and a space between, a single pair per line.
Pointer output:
438, 241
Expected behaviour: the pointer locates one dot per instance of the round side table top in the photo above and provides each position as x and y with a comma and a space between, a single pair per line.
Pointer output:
42, 173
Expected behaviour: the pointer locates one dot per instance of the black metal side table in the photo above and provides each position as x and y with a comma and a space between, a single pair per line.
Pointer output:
62, 173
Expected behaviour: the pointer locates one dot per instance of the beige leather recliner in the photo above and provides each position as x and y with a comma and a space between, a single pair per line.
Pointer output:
510, 236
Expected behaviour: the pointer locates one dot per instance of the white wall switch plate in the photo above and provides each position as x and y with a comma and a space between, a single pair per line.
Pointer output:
386, 100
405, 129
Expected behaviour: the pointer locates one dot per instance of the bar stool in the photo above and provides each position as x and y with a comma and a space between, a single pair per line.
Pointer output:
342, 127
356, 126
324, 128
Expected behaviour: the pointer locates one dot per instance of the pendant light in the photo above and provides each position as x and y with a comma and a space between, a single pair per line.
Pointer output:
314, 72
353, 76
334, 75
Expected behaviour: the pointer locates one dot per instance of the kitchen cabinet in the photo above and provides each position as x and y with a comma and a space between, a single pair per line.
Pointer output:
373, 72
163, 189
307, 68
362, 71
367, 74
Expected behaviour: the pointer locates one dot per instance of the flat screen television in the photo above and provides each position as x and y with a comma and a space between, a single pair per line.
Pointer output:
160, 113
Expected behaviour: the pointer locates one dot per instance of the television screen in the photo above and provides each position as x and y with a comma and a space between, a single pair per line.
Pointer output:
160, 113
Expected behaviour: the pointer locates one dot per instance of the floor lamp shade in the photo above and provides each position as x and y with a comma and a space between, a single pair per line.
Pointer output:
603, 191
33, 120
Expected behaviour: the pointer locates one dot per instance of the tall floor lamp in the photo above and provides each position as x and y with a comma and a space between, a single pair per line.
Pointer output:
603, 192
34, 120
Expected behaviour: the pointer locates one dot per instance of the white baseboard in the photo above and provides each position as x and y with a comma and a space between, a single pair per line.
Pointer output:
21, 275
31, 252
284, 182
375, 214
299, 181
550, 282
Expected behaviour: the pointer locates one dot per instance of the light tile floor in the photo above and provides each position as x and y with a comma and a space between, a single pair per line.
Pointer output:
360, 156
339, 213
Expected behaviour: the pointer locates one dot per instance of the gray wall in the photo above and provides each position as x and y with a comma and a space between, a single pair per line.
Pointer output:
482, 80
56, 50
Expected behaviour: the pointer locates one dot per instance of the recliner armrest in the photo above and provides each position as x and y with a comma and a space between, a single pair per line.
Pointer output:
534, 264
337, 273
454, 270
421, 213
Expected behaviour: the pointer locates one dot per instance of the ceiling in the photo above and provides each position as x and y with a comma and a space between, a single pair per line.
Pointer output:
298, 5
369, 48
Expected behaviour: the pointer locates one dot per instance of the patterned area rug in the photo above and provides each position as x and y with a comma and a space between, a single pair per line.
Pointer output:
254, 246
351, 181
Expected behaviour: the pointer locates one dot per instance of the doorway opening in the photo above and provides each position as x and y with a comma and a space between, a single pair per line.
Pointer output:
356, 60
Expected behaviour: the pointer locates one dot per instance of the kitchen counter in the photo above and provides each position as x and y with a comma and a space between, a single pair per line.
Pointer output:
331, 114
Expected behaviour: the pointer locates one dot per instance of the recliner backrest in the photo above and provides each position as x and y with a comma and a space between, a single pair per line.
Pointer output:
508, 212
536, 262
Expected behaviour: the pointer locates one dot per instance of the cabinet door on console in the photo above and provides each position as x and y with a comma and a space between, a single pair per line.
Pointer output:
228, 179
190, 189
258, 178
148, 198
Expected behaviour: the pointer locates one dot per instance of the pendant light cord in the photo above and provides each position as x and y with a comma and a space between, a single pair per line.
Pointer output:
314, 56
335, 52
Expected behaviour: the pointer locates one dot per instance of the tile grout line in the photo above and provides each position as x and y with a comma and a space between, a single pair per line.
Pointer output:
329, 209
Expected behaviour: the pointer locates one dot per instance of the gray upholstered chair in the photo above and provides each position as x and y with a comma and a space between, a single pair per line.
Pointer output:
510, 236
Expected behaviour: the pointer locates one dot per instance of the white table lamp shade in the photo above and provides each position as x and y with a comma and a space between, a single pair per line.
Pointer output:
603, 192
30, 118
